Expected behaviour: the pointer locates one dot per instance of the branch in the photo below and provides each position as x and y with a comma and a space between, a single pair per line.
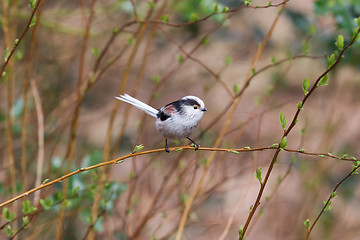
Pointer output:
293, 123
16, 44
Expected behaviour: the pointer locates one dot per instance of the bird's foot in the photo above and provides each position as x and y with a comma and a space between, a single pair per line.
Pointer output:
195, 144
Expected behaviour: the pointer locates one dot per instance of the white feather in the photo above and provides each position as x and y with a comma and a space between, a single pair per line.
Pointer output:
138, 104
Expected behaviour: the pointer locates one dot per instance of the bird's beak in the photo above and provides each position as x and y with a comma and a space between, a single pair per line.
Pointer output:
204, 109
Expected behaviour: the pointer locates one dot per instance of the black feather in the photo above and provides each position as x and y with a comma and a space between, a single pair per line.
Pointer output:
162, 115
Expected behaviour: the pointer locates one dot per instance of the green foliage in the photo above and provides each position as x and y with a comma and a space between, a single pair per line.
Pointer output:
155, 79
339, 42
9, 231
236, 89
150, 4
307, 224
32, 3
193, 17
299, 105
180, 58
228, 60
6, 54
283, 143
33, 21
283, 121
138, 148
25, 220
165, 18
27, 208
8, 216
215, 7
323, 81
273, 59
275, 145
240, 231
95, 51
305, 85
331, 60
46, 203
356, 165
258, 174
247, 2
205, 40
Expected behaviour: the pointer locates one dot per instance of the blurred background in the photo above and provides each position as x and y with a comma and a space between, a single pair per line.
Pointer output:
58, 114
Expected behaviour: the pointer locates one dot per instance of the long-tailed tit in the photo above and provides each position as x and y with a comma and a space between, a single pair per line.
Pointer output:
175, 120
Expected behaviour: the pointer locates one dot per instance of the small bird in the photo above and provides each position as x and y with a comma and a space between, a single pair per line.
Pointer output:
175, 120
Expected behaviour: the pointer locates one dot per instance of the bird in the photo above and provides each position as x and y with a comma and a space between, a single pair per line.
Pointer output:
175, 120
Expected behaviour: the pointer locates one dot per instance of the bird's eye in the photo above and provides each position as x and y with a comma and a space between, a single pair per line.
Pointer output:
195, 107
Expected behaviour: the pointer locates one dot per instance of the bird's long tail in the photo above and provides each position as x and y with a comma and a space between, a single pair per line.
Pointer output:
139, 104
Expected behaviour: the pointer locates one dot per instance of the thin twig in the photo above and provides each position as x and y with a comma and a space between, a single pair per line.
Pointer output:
41, 134
20, 38
329, 199
119, 160
286, 132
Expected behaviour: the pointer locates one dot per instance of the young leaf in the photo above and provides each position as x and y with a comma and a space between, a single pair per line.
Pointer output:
236, 89
193, 17
333, 195
299, 105
331, 60
138, 148
205, 40
241, 230
275, 145
25, 220
180, 58
356, 165
282, 120
327, 206
8, 215
273, 59
6, 54
156, 79
33, 22
323, 81
357, 21
9, 231
46, 203
165, 18
258, 174
247, 2
253, 71
339, 42
95, 51
228, 60
150, 4
215, 7
306, 84
32, 3
307, 224
27, 207
283, 142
